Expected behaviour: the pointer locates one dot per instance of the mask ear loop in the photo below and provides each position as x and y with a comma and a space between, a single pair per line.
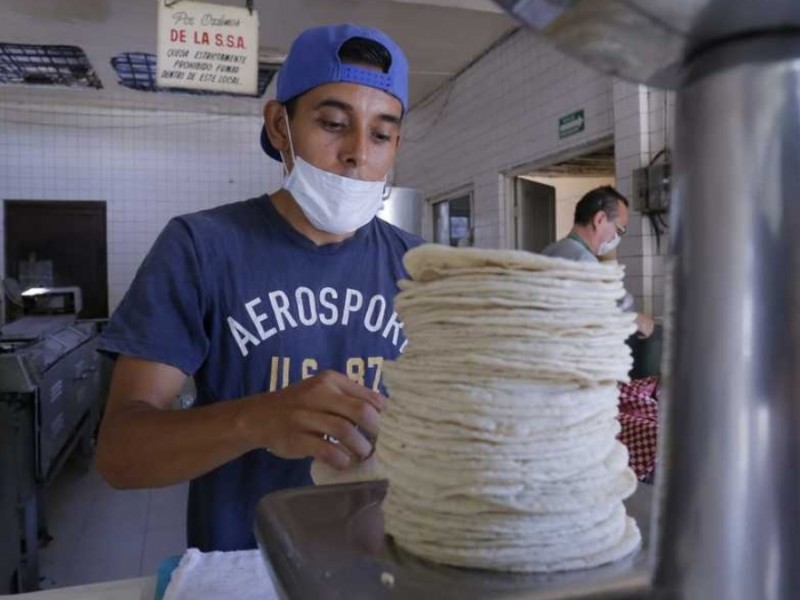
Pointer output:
291, 145
387, 186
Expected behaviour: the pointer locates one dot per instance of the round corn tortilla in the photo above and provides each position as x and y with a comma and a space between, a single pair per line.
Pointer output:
324, 474
428, 261
499, 436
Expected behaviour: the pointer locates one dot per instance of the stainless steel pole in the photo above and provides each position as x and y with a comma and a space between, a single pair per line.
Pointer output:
730, 513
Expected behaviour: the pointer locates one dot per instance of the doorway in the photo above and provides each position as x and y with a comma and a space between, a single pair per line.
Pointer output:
535, 214
59, 243
544, 196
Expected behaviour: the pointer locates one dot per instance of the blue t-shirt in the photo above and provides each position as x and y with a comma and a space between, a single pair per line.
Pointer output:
245, 303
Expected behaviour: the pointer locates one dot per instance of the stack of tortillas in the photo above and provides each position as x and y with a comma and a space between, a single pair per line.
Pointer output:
499, 439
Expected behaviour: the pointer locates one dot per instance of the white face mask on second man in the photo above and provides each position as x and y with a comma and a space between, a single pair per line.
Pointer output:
330, 202
610, 245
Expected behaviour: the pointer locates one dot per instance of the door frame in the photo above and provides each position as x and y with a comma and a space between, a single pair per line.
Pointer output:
508, 188
518, 222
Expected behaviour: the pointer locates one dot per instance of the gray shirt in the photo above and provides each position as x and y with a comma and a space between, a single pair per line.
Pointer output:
574, 248
571, 249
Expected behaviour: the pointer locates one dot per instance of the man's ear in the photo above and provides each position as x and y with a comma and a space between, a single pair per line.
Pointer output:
599, 218
276, 126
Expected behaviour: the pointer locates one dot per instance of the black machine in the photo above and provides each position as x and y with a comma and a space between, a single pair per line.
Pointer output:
52, 301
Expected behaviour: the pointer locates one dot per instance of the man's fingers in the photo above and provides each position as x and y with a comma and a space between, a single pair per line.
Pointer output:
326, 405
349, 437
337, 395
327, 452
356, 390
359, 413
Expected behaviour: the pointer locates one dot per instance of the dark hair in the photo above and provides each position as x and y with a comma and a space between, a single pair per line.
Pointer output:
356, 51
603, 198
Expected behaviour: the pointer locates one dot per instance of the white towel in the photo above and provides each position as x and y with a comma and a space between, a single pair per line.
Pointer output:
220, 576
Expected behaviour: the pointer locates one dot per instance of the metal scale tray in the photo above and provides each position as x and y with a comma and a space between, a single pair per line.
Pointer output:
328, 542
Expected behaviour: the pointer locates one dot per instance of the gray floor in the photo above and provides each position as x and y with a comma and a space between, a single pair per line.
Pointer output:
101, 534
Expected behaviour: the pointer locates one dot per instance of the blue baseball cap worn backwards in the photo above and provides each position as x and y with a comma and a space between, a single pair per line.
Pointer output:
314, 60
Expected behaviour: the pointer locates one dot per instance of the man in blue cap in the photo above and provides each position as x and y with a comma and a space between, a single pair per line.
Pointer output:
279, 306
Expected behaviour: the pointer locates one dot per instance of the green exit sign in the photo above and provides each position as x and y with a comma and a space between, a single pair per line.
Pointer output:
571, 124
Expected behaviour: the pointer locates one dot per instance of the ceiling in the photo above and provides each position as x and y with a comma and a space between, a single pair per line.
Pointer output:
599, 163
440, 37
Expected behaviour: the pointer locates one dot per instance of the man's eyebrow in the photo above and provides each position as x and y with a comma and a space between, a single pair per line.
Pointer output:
334, 103
393, 119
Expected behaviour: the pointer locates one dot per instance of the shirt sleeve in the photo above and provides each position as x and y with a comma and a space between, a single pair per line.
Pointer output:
627, 303
161, 317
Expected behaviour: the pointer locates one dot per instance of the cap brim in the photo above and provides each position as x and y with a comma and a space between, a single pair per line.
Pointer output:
267, 146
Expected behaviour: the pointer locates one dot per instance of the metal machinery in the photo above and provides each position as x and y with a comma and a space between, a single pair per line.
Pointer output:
52, 387
403, 207
726, 519
328, 542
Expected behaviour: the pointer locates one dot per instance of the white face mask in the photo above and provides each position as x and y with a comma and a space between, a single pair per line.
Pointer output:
332, 203
610, 245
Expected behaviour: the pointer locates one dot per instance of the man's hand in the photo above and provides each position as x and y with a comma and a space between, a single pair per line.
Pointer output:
644, 325
144, 444
292, 422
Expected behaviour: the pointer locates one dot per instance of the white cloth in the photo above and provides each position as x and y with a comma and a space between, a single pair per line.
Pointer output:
220, 576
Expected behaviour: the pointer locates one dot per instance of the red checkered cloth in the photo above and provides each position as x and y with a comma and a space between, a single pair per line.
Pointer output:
638, 415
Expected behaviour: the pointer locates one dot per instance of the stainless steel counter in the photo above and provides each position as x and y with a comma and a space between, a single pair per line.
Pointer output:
142, 588
329, 542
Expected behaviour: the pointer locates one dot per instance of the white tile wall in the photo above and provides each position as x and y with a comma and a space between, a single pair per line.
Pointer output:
147, 166
662, 135
643, 123
630, 147
500, 114
503, 113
